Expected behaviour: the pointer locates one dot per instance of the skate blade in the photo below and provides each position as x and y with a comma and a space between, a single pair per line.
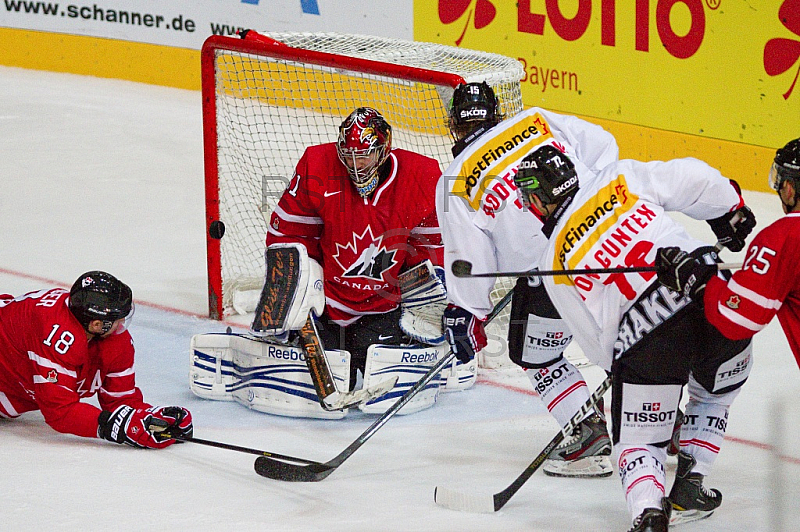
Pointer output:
687, 516
588, 467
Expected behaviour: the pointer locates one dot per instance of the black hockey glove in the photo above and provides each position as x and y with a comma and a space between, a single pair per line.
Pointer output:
464, 332
678, 271
733, 228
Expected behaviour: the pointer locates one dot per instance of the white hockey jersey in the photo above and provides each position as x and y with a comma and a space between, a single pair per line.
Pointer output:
619, 218
480, 216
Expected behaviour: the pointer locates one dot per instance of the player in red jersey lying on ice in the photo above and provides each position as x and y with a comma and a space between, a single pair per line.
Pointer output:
58, 347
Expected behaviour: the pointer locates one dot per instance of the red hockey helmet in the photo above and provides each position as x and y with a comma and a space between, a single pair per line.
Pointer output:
365, 140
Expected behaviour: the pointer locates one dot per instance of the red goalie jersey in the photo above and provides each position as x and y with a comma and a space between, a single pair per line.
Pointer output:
47, 364
767, 284
361, 243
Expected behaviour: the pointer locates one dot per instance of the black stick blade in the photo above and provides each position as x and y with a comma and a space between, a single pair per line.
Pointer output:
462, 268
278, 470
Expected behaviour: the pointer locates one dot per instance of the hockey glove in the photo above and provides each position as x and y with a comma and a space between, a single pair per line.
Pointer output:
678, 271
464, 332
139, 427
733, 228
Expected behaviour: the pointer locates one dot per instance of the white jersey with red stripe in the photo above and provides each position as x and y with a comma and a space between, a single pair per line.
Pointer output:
47, 364
481, 217
619, 218
768, 284
362, 243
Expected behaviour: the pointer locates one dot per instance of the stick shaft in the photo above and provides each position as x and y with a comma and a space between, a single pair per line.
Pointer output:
248, 450
586, 271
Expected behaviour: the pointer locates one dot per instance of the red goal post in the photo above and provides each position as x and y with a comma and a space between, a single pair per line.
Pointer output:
266, 97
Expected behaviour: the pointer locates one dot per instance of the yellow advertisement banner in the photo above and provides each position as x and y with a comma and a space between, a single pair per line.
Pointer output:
722, 69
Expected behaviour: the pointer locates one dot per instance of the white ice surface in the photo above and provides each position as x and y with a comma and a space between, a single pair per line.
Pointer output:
104, 174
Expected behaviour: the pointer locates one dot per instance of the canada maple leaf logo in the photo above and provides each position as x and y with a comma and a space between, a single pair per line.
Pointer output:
365, 256
452, 10
781, 54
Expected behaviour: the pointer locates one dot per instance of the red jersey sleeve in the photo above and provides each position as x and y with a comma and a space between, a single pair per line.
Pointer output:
751, 298
118, 380
296, 218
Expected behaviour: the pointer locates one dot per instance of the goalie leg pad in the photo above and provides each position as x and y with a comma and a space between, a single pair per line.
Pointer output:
408, 364
274, 378
211, 373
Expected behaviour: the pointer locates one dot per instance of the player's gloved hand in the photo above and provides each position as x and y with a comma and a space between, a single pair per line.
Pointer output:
464, 332
679, 271
733, 228
139, 427
167, 422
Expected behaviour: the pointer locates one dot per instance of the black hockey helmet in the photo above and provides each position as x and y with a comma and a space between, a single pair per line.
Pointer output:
473, 104
786, 165
100, 296
547, 174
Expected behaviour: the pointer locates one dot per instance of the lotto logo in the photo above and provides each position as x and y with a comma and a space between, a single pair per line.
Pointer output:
651, 407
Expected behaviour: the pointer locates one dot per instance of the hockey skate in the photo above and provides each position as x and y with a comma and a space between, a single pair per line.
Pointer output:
653, 519
690, 500
585, 454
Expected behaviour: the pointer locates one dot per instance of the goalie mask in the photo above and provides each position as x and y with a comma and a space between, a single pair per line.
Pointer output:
473, 105
547, 174
100, 296
365, 140
786, 166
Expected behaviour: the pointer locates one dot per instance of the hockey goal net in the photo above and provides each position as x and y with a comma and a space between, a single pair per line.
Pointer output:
267, 97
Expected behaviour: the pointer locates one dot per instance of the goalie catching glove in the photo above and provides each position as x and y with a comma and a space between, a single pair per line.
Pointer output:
423, 300
464, 332
146, 428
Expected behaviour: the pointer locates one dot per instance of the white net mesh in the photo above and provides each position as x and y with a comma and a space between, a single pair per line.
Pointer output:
270, 109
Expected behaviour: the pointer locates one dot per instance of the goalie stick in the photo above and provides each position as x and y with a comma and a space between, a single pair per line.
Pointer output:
278, 469
468, 502
463, 268
329, 397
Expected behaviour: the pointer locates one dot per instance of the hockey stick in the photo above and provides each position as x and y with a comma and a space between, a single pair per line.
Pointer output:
228, 446
277, 469
468, 502
463, 268
329, 397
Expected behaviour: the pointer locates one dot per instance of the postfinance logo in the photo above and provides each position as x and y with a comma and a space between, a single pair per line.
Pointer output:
499, 155
591, 222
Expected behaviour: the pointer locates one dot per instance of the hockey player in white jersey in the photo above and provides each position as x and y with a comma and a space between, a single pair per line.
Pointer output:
482, 221
653, 339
